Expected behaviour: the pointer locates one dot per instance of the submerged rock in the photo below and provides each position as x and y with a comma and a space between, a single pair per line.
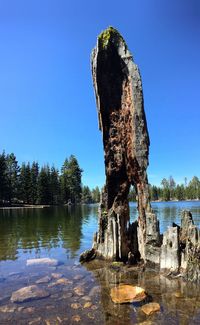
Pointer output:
45, 279
76, 318
94, 291
56, 275
75, 306
29, 293
127, 294
150, 308
88, 304
39, 261
35, 321
7, 309
79, 291
61, 281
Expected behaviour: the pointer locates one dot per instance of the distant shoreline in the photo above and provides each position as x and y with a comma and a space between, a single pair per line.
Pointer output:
187, 200
49, 206
24, 207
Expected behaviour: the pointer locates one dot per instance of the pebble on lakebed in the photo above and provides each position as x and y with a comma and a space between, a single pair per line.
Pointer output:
127, 293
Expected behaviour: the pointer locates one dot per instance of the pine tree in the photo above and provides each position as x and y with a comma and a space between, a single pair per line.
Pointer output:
193, 189
166, 189
3, 178
96, 195
86, 196
44, 192
180, 192
12, 175
54, 186
34, 182
64, 180
25, 183
71, 180
154, 193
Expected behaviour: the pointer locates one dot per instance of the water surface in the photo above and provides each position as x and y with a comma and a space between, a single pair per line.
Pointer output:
63, 233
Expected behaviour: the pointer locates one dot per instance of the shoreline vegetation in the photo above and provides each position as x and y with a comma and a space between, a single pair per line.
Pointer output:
29, 185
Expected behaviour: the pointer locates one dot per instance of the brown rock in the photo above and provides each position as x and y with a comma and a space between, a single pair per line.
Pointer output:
127, 293
35, 321
150, 308
87, 304
64, 281
7, 309
56, 275
91, 316
67, 295
79, 291
76, 318
45, 279
29, 310
78, 277
178, 294
76, 306
61, 281
29, 293
86, 298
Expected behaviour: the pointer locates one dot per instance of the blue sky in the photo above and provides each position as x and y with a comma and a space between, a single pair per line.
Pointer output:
47, 100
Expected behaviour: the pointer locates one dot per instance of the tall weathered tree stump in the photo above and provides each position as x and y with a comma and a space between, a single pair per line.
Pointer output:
120, 105
122, 120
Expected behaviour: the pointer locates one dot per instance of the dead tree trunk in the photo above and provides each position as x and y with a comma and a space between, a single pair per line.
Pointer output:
119, 98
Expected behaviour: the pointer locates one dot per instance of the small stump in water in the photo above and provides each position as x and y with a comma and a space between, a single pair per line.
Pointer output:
127, 294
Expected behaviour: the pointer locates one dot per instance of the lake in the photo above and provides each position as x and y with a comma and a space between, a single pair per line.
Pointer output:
83, 294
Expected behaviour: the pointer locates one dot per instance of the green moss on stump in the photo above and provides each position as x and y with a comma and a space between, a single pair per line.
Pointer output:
107, 34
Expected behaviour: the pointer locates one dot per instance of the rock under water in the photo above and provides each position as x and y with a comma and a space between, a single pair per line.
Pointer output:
127, 293
29, 293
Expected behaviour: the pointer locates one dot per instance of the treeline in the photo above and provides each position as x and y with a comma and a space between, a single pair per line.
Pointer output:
169, 190
30, 184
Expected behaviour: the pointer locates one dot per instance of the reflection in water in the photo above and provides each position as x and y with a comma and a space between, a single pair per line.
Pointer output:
33, 229
70, 228
64, 232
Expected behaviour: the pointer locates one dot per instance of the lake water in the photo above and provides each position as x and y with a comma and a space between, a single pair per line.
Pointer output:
83, 297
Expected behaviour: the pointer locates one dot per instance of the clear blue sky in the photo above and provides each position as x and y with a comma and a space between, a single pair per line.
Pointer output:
47, 100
